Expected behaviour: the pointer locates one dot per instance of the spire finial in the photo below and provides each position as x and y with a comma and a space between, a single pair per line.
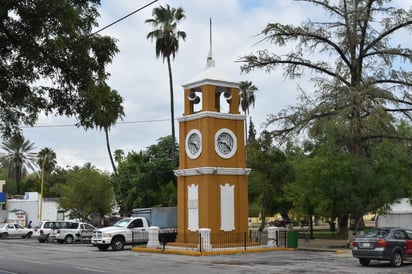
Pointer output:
210, 62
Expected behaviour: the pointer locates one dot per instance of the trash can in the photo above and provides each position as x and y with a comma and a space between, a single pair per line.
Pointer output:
292, 239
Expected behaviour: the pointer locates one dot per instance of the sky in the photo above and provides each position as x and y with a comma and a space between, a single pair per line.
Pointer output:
142, 80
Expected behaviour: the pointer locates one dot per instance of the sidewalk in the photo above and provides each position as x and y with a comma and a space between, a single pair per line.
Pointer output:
323, 245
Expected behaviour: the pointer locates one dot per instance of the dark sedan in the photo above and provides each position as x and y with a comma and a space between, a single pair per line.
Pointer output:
391, 244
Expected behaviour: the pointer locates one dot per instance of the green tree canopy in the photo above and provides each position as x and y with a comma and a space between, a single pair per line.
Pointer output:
87, 191
148, 176
103, 107
356, 69
270, 174
50, 59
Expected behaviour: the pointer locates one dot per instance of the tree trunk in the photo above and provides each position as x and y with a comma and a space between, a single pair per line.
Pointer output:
122, 204
263, 215
172, 112
311, 227
343, 224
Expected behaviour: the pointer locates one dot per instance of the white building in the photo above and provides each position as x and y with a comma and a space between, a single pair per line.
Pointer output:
28, 209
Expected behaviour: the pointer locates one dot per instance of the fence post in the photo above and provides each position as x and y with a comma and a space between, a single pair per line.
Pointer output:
205, 239
245, 239
153, 237
273, 233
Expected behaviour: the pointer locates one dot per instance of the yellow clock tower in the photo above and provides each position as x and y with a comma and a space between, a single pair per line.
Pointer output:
212, 174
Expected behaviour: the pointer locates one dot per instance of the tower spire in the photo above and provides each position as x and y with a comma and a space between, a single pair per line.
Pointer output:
210, 62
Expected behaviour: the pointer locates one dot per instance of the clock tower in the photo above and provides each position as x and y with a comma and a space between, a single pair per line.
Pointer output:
212, 175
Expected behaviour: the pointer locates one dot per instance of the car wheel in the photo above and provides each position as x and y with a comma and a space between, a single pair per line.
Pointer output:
396, 259
68, 239
364, 261
117, 243
28, 235
4, 235
102, 247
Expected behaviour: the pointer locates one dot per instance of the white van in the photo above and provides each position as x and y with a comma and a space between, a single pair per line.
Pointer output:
45, 231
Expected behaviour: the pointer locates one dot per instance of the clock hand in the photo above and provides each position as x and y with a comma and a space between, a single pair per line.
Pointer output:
225, 144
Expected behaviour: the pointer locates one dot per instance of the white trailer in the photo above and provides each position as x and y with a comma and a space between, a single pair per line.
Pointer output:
398, 215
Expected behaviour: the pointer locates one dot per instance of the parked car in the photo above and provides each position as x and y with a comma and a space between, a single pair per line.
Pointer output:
46, 230
391, 244
280, 222
14, 230
77, 231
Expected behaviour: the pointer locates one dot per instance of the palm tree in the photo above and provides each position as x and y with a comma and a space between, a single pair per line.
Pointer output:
118, 155
47, 162
46, 158
102, 109
19, 157
166, 34
247, 98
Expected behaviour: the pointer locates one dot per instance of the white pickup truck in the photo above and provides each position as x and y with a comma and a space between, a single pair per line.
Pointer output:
125, 231
76, 231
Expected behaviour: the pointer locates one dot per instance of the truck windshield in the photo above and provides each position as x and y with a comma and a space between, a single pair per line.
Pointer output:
122, 223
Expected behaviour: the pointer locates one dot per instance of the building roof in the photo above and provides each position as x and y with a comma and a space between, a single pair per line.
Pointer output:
211, 76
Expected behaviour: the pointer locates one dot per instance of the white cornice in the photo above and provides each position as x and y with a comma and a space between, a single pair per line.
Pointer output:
212, 170
211, 114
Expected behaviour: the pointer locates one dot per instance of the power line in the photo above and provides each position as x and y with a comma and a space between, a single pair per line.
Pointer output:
123, 122
124, 17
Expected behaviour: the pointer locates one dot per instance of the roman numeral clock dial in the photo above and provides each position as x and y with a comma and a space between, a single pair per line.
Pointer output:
193, 144
225, 143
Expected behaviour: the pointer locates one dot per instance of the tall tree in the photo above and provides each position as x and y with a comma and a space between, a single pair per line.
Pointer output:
51, 41
20, 157
46, 159
270, 173
247, 98
247, 95
102, 108
167, 35
357, 73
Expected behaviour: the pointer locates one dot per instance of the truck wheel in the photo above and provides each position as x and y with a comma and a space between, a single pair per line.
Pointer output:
117, 243
68, 239
364, 261
396, 259
48, 239
102, 247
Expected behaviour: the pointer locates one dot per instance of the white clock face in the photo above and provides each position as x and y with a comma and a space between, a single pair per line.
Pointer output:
225, 143
193, 144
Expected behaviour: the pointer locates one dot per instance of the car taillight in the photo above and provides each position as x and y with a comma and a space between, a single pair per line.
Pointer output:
58, 231
381, 243
354, 244
41, 232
